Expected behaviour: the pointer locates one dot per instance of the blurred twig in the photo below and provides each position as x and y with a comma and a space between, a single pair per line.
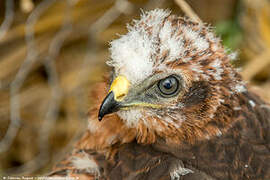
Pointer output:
68, 47
56, 95
120, 6
25, 68
256, 65
188, 10
255, 24
9, 15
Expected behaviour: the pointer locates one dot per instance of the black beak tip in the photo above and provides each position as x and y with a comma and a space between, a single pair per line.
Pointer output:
100, 118
109, 105
101, 113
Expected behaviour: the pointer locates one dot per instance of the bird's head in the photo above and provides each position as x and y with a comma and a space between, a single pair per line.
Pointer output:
171, 78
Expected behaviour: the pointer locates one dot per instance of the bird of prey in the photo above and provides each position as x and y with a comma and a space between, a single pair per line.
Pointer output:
174, 108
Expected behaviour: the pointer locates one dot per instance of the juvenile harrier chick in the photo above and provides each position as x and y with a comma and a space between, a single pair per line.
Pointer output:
175, 109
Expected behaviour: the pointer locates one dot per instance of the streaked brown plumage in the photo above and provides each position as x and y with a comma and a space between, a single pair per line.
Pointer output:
176, 110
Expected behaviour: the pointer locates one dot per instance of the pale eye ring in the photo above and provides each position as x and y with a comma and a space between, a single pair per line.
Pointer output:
169, 86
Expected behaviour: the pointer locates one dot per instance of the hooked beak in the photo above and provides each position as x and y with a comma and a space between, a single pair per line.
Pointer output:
112, 101
109, 105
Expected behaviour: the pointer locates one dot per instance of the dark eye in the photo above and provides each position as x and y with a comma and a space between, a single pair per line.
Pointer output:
169, 86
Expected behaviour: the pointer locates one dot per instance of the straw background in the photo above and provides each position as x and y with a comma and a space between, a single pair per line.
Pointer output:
53, 51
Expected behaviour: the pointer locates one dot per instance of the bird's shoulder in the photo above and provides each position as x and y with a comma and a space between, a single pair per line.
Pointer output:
242, 152
128, 161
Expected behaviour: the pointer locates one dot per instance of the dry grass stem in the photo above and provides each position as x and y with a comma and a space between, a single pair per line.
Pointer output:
188, 10
256, 65
51, 54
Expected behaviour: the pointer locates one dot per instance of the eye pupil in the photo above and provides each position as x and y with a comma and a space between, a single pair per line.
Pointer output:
168, 86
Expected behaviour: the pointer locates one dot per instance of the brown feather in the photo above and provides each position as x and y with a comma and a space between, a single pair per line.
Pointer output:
217, 127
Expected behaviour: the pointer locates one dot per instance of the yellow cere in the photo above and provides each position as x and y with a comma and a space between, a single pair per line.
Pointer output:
120, 87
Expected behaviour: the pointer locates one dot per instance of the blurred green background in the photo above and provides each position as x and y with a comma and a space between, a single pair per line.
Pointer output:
53, 51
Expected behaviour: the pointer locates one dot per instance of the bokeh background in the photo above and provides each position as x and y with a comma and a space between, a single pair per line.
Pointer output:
52, 52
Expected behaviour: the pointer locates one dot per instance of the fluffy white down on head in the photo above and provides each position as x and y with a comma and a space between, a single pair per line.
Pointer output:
132, 54
140, 52
135, 55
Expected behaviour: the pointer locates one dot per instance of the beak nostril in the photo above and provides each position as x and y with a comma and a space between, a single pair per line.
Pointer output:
117, 92
120, 86
120, 97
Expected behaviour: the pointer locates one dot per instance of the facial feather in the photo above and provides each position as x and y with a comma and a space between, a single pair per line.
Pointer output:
161, 43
